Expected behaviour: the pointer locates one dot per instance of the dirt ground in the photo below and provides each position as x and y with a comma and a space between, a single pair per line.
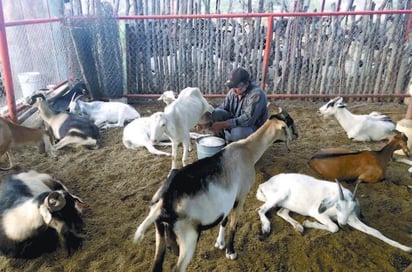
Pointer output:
117, 184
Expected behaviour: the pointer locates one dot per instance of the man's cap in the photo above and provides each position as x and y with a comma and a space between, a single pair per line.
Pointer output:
237, 76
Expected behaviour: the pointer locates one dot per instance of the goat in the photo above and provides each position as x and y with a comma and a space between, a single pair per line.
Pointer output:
137, 133
178, 118
365, 165
201, 195
68, 128
61, 102
104, 114
320, 199
37, 214
167, 97
372, 127
14, 134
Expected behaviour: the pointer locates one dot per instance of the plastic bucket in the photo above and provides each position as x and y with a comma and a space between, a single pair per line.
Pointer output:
29, 82
208, 146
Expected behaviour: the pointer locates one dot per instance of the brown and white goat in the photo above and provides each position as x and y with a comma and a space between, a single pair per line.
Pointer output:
14, 134
207, 192
366, 165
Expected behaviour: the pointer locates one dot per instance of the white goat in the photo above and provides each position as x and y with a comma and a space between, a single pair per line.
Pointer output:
372, 127
137, 134
104, 114
323, 200
201, 195
167, 97
178, 118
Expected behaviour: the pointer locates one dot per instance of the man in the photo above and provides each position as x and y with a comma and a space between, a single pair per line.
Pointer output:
244, 109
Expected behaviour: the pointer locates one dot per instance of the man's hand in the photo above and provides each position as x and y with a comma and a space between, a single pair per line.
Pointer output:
219, 126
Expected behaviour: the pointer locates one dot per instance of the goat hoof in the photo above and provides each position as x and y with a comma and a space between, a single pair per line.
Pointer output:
220, 245
231, 255
299, 228
265, 229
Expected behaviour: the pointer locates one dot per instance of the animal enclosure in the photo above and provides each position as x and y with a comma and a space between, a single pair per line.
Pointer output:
117, 185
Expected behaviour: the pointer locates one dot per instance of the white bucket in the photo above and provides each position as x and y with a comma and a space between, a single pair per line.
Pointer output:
208, 146
29, 82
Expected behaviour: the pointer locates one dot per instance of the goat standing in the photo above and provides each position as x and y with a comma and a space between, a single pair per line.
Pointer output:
14, 134
201, 195
322, 200
178, 118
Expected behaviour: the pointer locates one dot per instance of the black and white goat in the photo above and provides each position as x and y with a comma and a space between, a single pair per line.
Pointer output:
37, 214
323, 200
201, 195
68, 128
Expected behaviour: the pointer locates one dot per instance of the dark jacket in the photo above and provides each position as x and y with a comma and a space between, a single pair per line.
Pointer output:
248, 111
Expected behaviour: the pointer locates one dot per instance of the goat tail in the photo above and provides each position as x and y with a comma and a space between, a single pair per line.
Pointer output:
154, 214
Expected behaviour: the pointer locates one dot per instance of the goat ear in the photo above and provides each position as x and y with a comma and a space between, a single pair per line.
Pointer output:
45, 213
326, 204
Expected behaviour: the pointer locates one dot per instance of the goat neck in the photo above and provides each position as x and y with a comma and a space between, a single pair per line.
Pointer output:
387, 151
45, 111
345, 118
256, 144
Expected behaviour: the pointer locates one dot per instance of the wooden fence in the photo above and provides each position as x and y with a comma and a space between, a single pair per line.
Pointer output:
193, 44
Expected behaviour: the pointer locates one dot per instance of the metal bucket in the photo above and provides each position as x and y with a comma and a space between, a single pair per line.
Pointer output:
208, 146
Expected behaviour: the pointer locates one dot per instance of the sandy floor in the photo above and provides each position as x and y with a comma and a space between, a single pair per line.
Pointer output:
117, 185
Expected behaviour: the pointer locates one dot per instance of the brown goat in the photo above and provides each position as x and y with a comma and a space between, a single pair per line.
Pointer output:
367, 166
14, 134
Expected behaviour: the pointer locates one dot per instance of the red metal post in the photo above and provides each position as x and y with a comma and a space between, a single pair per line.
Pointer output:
5, 63
267, 50
408, 26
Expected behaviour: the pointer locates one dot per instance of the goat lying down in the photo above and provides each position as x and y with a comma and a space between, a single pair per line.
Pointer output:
68, 128
37, 214
366, 165
168, 97
104, 114
207, 192
325, 201
372, 127
14, 134
137, 134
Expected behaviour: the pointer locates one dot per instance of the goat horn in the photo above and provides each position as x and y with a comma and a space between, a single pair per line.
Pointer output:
55, 201
32, 99
340, 190
73, 97
355, 190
